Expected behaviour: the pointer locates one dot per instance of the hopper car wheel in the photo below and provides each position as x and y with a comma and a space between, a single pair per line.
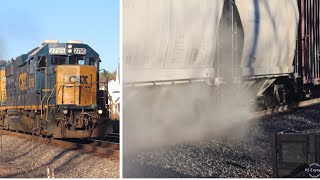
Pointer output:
270, 102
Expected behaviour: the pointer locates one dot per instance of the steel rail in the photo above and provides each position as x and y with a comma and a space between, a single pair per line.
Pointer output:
284, 108
101, 149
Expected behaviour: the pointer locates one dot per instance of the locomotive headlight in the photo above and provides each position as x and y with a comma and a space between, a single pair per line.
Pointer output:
99, 111
65, 111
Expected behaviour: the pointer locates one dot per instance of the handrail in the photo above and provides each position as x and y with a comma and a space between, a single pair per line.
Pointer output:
42, 105
91, 89
74, 93
48, 99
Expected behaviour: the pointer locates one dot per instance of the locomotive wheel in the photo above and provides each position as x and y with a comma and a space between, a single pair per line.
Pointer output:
7, 126
63, 130
2, 120
36, 126
89, 130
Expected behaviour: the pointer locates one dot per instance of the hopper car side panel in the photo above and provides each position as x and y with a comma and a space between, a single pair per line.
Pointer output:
270, 28
162, 39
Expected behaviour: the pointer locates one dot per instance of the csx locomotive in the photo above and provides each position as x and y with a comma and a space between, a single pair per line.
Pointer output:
54, 90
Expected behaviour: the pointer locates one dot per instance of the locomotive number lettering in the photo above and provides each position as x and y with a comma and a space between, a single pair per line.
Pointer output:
31, 82
81, 79
80, 51
57, 50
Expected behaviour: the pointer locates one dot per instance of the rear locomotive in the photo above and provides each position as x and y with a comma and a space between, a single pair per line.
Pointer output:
54, 90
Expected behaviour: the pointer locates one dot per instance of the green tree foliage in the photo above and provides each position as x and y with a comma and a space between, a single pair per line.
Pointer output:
3, 62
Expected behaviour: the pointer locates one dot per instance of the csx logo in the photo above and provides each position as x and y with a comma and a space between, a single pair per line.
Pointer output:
23, 81
81, 79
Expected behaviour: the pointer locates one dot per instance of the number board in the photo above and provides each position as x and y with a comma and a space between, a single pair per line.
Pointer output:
59, 50
80, 51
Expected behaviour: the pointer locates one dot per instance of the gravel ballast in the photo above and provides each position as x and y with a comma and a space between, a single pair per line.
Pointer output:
227, 156
21, 158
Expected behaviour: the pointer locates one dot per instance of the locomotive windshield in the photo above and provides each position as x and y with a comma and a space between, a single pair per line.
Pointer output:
58, 60
77, 60
80, 60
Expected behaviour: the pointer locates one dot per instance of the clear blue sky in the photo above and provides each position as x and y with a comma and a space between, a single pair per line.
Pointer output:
25, 24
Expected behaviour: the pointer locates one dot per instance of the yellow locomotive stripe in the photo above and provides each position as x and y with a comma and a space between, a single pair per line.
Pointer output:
32, 107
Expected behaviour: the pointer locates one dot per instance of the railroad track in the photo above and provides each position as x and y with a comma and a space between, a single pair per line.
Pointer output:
284, 108
109, 147
100, 148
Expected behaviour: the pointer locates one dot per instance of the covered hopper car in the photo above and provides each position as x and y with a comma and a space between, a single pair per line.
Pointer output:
54, 90
269, 48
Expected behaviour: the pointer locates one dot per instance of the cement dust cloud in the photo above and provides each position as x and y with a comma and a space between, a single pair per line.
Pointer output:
164, 115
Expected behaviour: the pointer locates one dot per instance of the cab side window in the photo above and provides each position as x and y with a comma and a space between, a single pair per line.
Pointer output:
31, 66
42, 62
92, 61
